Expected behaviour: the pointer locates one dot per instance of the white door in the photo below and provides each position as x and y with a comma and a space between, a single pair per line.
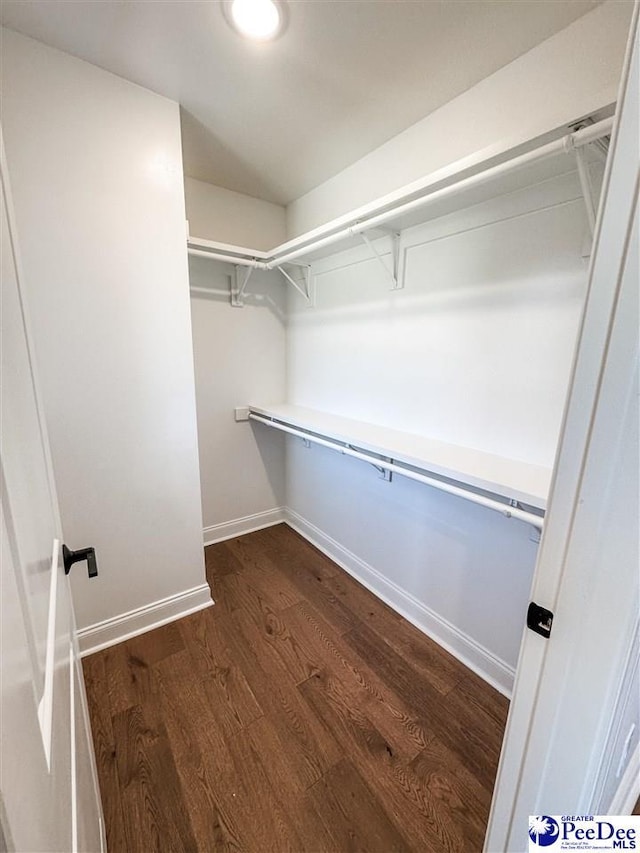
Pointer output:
558, 754
49, 798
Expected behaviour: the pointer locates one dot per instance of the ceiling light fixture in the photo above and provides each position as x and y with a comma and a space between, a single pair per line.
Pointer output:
259, 20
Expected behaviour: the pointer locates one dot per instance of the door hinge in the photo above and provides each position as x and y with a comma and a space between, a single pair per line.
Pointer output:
539, 619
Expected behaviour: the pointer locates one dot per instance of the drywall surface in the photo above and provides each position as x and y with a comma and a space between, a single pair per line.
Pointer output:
476, 350
239, 357
218, 214
95, 168
570, 75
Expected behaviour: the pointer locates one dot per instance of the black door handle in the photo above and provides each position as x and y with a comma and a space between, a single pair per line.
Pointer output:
71, 557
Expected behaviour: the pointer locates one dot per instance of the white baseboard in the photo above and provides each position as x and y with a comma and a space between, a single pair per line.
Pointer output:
112, 631
628, 791
493, 670
240, 526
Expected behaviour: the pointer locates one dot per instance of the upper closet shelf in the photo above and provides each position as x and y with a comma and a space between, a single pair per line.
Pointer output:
453, 188
473, 474
223, 251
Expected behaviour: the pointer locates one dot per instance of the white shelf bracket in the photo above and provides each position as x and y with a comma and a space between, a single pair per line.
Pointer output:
587, 189
238, 285
305, 290
384, 473
597, 146
396, 282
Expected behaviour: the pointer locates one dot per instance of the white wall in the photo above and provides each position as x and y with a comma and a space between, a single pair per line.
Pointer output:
95, 166
476, 350
218, 214
570, 75
239, 358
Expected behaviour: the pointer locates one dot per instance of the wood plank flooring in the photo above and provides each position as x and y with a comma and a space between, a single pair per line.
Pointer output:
298, 714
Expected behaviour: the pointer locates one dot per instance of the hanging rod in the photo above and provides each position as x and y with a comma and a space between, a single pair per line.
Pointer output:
205, 291
230, 259
564, 145
346, 449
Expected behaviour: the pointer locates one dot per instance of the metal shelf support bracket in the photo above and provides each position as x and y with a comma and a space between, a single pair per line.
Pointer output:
599, 147
585, 185
241, 276
397, 283
384, 473
305, 290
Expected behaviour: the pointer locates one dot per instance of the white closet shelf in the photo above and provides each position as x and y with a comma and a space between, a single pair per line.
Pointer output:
212, 246
462, 184
510, 479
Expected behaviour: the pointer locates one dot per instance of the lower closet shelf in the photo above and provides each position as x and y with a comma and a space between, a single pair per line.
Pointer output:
515, 488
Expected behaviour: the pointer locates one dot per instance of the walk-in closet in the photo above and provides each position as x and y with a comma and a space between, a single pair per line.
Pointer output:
320, 425
420, 360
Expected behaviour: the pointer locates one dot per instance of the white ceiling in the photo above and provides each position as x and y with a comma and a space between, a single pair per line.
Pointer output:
275, 120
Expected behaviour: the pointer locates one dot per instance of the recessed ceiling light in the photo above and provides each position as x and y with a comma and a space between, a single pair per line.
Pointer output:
259, 20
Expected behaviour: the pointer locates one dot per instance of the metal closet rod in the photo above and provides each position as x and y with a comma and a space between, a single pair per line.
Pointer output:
565, 144
231, 259
474, 497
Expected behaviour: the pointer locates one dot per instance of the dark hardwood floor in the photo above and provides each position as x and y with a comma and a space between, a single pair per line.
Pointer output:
300, 713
